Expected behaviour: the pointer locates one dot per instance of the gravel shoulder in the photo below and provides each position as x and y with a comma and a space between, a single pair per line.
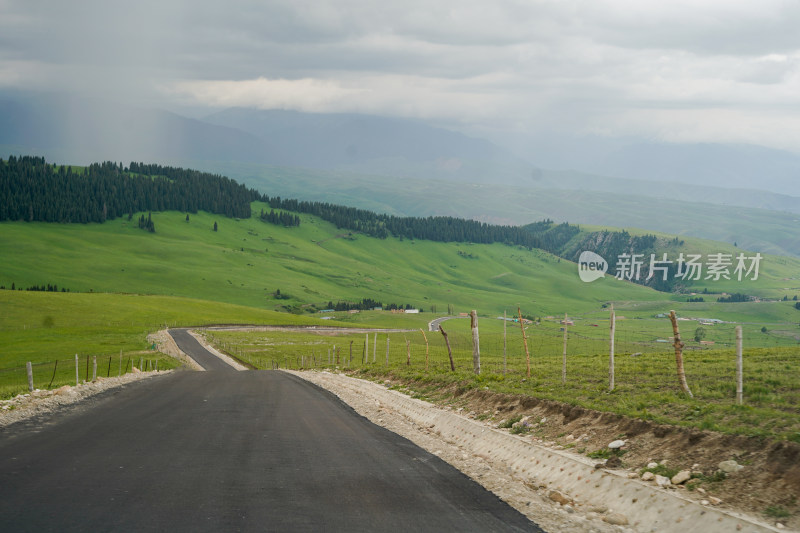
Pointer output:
45, 402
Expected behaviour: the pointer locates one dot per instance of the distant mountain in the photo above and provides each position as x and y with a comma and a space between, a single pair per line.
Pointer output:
739, 166
376, 145
78, 130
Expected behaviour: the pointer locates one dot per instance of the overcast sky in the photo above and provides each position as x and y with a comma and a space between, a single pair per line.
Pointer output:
699, 70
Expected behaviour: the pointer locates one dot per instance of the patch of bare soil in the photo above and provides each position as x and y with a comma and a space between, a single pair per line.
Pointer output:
768, 485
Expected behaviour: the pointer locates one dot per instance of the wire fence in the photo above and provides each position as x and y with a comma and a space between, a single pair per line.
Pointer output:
644, 357
73, 371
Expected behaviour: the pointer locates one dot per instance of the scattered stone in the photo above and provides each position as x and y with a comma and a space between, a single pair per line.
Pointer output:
569, 509
592, 516
652, 465
701, 490
648, 476
616, 519
543, 420
599, 509
66, 389
559, 497
779, 525
681, 477
570, 438
704, 502
632, 475
663, 481
616, 444
730, 467
714, 501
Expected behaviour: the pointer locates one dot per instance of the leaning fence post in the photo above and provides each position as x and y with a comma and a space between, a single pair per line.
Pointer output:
55, 367
739, 366
449, 351
29, 368
525, 342
679, 354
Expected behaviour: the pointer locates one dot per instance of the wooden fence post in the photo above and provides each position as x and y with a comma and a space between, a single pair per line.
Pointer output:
476, 342
525, 342
611, 350
739, 366
449, 351
564, 362
29, 368
679, 354
55, 367
505, 320
94, 368
387, 350
87, 368
426, 347
375, 347
350, 362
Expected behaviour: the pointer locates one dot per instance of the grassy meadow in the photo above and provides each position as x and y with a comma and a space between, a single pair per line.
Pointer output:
646, 385
126, 283
43, 327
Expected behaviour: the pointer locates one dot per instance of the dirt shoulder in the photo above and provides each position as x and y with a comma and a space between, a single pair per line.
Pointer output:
41, 402
765, 485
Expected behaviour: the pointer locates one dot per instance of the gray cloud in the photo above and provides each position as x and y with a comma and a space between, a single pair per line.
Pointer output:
707, 70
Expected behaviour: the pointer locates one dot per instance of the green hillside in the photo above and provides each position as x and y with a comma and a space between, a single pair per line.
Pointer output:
768, 231
246, 261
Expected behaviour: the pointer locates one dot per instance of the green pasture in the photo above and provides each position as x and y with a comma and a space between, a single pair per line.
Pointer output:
645, 375
246, 261
44, 327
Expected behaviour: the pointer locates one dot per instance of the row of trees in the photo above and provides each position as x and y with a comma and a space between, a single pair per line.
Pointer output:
32, 190
50, 287
431, 228
365, 305
281, 218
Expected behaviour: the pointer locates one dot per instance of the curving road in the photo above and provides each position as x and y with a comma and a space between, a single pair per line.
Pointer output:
191, 347
230, 451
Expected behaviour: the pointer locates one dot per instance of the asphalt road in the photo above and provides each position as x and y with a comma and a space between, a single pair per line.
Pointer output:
230, 451
195, 350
